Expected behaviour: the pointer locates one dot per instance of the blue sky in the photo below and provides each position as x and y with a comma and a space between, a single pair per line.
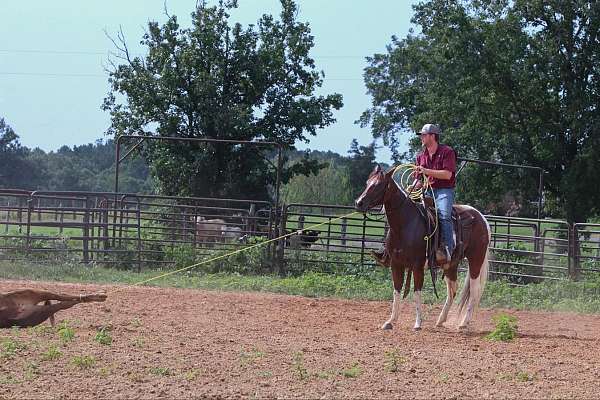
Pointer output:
52, 58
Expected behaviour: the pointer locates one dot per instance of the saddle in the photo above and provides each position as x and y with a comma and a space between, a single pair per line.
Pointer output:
461, 222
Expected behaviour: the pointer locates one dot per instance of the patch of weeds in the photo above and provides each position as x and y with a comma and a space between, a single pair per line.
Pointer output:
32, 371
138, 342
51, 354
65, 332
103, 336
135, 377
8, 380
325, 374
506, 328
444, 377
9, 348
41, 329
249, 356
503, 376
298, 366
393, 360
192, 374
161, 371
136, 322
352, 372
265, 374
84, 362
523, 376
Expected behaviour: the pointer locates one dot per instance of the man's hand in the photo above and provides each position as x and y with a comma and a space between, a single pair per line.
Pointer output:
421, 170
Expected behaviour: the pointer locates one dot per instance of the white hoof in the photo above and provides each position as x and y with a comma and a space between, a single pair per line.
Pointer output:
417, 328
387, 326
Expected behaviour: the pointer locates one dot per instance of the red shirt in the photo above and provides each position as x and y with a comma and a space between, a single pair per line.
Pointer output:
444, 158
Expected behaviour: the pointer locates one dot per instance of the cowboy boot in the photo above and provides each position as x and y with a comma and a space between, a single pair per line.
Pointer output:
442, 255
381, 256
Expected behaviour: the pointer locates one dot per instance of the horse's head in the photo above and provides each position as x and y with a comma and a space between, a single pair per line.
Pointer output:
374, 193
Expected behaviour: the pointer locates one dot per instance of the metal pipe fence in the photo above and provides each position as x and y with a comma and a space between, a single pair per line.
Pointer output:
132, 231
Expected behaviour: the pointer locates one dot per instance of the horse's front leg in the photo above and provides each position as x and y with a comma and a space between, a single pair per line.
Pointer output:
397, 278
419, 276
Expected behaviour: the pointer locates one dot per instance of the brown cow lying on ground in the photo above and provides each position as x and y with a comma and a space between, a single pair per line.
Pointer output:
22, 307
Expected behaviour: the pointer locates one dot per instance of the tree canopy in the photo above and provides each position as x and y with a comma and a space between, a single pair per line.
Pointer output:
223, 81
508, 81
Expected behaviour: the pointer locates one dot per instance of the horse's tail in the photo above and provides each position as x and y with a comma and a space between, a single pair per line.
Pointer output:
473, 287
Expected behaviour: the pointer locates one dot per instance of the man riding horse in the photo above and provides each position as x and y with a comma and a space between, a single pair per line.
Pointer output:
438, 163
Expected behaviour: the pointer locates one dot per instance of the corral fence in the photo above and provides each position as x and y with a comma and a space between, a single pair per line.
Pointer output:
148, 231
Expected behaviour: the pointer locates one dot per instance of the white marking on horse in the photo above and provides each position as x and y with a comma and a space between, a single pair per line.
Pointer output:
395, 311
417, 310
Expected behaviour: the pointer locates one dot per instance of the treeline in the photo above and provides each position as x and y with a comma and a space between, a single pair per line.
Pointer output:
87, 167
90, 167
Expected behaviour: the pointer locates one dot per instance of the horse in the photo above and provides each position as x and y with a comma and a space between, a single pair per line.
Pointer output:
406, 247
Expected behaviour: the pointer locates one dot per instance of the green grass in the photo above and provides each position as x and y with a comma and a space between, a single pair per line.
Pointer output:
505, 330
84, 362
583, 297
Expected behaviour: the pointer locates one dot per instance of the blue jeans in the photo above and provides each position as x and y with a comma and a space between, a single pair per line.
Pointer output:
444, 199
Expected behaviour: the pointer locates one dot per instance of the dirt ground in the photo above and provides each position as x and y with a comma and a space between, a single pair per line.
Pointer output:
179, 343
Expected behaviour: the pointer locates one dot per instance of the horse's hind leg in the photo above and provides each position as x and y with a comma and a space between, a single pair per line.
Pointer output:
451, 288
397, 278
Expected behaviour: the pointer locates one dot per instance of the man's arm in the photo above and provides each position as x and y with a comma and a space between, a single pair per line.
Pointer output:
438, 174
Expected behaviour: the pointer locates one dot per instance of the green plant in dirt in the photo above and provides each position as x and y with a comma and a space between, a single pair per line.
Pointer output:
9, 348
444, 377
41, 329
298, 366
523, 376
138, 342
249, 356
103, 336
65, 332
325, 374
8, 380
351, 372
192, 374
393, 360
52, 353
265, 374
505, 330
32, 370
84, 362
161, 371
136, 322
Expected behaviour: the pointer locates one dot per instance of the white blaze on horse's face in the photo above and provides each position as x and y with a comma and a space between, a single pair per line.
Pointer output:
368, 197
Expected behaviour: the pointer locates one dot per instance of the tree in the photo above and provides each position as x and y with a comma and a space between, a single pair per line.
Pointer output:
331, 185
515, 82
214, 80
360, 163
16, 171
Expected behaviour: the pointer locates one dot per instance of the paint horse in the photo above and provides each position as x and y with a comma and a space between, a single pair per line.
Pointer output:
406, 249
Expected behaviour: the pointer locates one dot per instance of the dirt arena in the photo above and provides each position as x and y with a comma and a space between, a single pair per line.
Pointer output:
178, 343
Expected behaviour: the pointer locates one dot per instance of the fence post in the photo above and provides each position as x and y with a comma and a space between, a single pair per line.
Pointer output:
362, 244
7, 217
281, 242
62, 219
251, 221
343, 231
86, 231
575, 254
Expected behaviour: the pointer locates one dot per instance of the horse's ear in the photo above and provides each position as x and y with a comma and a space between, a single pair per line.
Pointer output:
377, 169
390, 172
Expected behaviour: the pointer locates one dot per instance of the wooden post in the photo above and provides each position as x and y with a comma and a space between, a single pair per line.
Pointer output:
62, 219
343, 231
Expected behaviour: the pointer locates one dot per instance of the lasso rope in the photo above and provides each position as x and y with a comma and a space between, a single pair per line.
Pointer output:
416, 194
